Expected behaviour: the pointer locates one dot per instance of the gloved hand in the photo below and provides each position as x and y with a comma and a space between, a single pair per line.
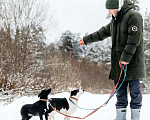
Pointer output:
81, 42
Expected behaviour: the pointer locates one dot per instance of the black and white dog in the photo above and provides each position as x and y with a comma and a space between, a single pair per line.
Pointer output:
38, 108
64, 105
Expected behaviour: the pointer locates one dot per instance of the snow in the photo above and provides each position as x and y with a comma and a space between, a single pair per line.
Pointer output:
87, 100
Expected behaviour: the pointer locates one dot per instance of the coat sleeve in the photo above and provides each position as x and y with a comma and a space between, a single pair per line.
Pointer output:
101, 34
135, 31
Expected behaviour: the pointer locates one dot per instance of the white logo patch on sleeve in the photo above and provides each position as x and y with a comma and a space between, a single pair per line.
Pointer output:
134, 28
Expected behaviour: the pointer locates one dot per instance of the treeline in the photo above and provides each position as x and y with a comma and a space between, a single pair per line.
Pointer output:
28, 65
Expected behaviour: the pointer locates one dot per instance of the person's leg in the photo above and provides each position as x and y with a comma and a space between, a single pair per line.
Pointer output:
136, 99
122, 98
122, 101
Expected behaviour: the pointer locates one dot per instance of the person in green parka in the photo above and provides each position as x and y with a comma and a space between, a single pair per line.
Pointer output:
126, 31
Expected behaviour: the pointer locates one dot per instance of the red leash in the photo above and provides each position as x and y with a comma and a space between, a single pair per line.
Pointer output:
98, 107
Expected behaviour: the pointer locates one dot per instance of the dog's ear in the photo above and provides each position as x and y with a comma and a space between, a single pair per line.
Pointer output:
71, 93
50, 89
41, 93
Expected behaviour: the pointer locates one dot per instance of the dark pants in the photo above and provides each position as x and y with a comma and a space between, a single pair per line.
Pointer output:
135, 94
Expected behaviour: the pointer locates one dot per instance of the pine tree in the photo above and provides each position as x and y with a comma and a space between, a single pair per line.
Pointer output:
69, 43
99, 51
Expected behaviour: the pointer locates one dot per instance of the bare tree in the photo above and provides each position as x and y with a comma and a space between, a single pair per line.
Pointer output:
24, 24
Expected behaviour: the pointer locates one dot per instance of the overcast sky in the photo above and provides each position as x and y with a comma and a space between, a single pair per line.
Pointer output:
82, 16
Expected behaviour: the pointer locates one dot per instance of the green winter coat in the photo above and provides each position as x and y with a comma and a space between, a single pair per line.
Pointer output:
126, 31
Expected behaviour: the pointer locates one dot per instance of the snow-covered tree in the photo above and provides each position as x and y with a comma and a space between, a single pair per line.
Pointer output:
69, 43
22, 38
99, 51
147, 40
147, 50
136, 2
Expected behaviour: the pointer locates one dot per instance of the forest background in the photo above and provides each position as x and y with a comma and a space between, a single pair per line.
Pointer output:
28, 64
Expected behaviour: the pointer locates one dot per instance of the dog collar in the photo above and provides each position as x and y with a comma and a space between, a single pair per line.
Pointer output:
44, 100
74, 98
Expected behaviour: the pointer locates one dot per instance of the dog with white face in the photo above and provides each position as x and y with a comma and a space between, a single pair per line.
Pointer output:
64, 105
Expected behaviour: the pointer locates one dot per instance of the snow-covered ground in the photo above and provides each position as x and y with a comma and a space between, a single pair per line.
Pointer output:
87, 100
